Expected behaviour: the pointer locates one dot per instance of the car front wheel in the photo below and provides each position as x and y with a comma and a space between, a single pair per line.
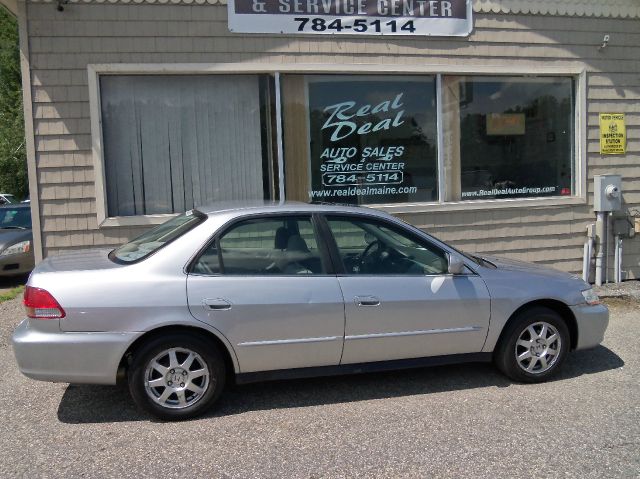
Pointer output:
176, 377
534, 346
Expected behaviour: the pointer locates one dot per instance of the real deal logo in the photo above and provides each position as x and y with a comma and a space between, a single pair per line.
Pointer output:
341, 124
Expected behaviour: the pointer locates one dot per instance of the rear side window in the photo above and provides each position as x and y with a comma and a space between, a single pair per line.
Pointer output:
264, 246
154, 239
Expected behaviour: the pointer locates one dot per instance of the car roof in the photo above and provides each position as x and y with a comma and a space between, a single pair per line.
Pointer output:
249, 207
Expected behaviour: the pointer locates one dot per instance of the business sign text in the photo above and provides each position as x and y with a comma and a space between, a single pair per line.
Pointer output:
372, 141
352, 17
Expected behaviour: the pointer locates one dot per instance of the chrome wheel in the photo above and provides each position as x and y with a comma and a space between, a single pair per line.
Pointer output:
538, 348
176, 378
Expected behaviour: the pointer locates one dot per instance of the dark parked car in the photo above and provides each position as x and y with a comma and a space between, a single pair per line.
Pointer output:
16, 240
7, 199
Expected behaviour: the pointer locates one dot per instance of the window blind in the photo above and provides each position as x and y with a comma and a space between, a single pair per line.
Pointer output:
172, 142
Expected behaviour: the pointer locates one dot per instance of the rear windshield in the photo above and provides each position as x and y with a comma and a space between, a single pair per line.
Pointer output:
15, 218
154, 239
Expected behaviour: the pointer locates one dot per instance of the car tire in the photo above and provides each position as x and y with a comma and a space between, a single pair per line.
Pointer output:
533, 346
176, 377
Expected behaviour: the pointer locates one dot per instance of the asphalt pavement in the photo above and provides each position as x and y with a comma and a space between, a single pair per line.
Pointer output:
455, 421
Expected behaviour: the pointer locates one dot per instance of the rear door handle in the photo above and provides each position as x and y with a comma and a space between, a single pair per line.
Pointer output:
366, 301
218, 304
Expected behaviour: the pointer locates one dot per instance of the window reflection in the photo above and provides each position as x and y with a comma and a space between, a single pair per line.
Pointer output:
515, 136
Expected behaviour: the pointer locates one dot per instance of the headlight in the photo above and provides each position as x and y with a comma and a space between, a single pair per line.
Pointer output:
591, 297
22, 247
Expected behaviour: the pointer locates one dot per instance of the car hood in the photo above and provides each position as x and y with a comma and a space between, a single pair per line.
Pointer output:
84, 260
524, 267
11, 236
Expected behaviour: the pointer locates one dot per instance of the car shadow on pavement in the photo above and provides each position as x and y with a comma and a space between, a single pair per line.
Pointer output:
98, 404
10, 282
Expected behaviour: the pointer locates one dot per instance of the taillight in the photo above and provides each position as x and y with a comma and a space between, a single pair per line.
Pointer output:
39, 304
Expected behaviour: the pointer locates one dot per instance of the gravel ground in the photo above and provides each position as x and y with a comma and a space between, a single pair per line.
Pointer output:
458, 421
626, 290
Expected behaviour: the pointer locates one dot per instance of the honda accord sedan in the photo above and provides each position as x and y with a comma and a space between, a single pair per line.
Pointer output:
256, 292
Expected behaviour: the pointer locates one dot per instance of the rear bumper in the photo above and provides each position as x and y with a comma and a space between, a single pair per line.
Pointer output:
91, 358
592, 323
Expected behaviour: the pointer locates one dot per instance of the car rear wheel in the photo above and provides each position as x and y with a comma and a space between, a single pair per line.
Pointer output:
176, 377
534, 346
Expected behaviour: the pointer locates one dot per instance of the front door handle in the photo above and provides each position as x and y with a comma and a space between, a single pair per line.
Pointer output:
218, 304
366, 301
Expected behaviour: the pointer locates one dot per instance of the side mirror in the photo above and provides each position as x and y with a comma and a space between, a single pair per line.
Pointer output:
456, 265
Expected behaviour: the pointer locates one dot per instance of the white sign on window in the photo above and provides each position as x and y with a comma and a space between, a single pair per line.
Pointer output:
352, 17
372, 140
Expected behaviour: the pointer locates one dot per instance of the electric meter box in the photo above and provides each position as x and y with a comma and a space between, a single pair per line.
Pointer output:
607, 193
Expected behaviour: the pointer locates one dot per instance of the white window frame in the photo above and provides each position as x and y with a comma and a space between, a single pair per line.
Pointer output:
578, 72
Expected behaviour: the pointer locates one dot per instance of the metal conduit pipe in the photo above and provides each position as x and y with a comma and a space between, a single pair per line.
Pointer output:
607, 227
600, 249
585, 261
618, 259
588, 253
620, 262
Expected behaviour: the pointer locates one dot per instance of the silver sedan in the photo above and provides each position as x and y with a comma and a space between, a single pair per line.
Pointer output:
269, 291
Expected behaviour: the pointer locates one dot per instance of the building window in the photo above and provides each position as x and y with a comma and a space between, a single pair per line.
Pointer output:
172, 142
360, 139
508, 137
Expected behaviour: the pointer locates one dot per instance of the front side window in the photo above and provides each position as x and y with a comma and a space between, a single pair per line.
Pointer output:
360, 139
172, 142
265, 246
508, 137
375, 248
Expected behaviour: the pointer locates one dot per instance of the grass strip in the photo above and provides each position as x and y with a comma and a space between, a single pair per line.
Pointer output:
11, 294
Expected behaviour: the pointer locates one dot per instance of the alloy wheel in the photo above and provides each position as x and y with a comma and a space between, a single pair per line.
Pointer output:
538, 348
177, 378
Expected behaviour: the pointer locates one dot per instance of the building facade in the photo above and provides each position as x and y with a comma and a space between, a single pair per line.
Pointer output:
488, 139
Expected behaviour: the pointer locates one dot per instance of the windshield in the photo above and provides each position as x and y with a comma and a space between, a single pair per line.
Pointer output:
154, 239
15, 218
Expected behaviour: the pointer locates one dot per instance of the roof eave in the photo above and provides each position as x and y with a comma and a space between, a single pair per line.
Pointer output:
573, 8
11, 6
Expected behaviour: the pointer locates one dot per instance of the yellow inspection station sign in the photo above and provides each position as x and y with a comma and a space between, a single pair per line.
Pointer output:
613, 134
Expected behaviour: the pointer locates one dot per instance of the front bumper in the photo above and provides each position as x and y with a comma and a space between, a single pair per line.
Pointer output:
16, 264
592, 323
57, 356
